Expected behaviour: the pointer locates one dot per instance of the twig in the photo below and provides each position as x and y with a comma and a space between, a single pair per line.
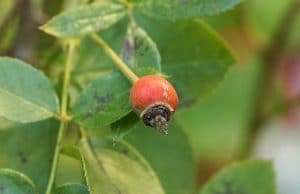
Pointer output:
9, 17
6, 21
116, 59
271, 60
25, 43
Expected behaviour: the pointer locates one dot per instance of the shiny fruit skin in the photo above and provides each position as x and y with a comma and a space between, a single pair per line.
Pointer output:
153, 89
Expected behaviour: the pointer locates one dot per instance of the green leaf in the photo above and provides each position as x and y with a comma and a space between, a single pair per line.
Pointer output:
6, 124
140, 51
96, 177
13, 182
174, 10
72, 188
250, 177
194, 57
69, 170
70, 167
124, 126
170, 156
94, 174
71, 151
85, 19
104, 101
26, 94
112, 172
29, 149
126, 174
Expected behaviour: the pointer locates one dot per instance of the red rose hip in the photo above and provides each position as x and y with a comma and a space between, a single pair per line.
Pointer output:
156, 99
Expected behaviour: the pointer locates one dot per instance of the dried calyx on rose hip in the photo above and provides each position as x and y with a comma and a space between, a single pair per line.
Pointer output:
155, 99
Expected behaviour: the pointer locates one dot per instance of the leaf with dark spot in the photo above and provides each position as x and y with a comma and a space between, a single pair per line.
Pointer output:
23, 157
29, 149
103, 102
139, 51
249, 177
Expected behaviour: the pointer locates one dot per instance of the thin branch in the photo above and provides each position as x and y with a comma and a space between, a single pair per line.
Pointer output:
13, 14
10, 16
271, 60
116, 59
24, 45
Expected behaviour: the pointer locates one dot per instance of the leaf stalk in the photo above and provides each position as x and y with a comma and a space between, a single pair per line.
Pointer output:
131, 76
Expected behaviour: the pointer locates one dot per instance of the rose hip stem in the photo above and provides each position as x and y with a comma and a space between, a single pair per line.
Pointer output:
118, 62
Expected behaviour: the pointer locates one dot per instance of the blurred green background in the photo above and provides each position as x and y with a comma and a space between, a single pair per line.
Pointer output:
223, 126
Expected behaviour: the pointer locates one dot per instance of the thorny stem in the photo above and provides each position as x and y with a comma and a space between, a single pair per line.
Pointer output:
117, 60
272, 57
63, 112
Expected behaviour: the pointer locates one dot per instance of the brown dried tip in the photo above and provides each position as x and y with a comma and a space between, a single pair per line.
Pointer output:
157, 116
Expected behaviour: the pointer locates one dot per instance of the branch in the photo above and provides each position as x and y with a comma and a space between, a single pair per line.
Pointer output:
63, 112
131, 76
24, 45
7, 20
271, 60
9, 16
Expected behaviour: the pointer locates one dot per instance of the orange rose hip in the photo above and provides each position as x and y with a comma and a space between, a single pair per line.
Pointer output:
155, 99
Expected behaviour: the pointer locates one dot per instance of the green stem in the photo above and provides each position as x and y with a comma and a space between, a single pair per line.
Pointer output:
117, 60
91, 157
88, 150
89, 153
63, 111
55, 158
